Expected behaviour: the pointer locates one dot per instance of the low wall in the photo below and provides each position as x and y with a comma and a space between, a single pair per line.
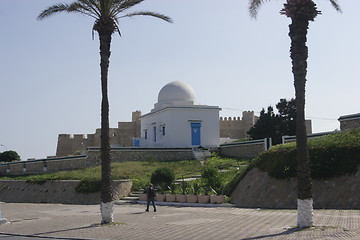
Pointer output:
57, 164
62, 191
47, 165
258, 190
248, 149
144, 154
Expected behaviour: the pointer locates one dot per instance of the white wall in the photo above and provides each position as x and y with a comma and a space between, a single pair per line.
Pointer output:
177, 122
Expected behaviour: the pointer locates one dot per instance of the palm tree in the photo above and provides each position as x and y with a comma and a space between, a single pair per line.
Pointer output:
301, 13
106, 14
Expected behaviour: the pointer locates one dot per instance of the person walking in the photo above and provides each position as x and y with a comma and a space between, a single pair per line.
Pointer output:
150, 197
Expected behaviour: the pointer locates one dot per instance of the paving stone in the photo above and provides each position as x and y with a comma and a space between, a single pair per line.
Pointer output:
57, 221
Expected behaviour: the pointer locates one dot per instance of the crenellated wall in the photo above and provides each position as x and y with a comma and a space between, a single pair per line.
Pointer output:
73, 144
236, 128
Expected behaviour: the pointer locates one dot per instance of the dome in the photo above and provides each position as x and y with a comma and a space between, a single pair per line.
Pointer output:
176, 93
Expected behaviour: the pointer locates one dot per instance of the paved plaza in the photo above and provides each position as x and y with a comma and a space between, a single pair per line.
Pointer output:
57, 221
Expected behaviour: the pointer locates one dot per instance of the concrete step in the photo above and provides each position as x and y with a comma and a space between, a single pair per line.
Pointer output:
130, 198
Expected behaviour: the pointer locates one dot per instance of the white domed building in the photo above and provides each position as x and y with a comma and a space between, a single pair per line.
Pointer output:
178, 121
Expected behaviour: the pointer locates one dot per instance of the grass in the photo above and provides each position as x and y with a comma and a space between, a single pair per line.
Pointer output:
140, 172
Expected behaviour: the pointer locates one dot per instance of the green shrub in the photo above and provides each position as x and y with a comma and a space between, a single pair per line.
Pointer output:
212, 179
279, 164
162, 176
330, 156
334, 161
88, 186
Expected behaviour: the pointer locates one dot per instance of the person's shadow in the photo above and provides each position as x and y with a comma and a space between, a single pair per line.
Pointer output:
135, 213
286, 232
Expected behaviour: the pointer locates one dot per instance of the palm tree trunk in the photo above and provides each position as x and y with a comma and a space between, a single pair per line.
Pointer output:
299, 53
106, 180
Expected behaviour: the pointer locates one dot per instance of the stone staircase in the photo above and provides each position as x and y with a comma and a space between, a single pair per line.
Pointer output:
201, 154
132, 197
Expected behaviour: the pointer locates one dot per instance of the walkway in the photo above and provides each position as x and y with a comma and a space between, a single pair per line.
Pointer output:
56, 221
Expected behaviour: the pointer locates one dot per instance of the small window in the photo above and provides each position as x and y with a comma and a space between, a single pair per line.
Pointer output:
163, 130
154, 134
145, 132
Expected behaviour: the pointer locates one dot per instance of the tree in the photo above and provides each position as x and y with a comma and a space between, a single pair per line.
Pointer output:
271, 125
287, 112
301, 13
267, 126
106, 14
9, 156
163, 177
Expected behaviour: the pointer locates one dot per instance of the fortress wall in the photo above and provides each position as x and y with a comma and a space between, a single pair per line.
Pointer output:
236, 128
69, 144
248, 149
126, 133
62, 191
231, 128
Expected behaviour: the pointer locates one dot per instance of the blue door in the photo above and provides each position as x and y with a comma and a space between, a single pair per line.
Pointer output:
136, 142
195, 134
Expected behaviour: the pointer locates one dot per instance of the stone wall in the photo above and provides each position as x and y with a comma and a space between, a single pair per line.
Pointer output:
55, 192
248, 149
48, 165
57, 164
123, 135
144, 154
236, 128
349, 121
258, 190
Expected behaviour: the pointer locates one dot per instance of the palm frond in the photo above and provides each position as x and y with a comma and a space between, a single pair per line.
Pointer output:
123, 5
93, 5
254, 6
336, 5
80, 8
57, 8
152, 14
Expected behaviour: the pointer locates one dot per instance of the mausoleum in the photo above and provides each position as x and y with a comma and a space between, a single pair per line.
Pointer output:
177, 120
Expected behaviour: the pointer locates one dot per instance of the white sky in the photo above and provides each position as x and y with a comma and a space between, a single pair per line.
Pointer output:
50, 74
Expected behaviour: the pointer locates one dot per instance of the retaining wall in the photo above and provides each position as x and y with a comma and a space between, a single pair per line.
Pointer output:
62, 191
258, 190
248, 149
